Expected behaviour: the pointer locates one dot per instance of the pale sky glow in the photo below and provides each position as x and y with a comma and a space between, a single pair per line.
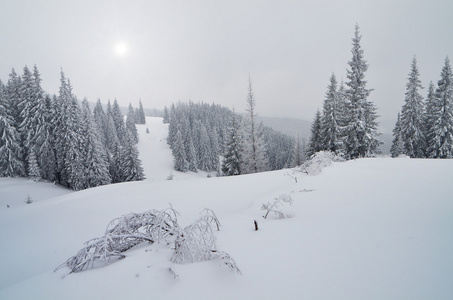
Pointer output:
204, 50
121, 49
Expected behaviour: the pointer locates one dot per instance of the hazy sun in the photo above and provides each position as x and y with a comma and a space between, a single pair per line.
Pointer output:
121, 49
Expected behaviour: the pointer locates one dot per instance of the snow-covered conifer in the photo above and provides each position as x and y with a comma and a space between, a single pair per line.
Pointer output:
315, 142
13, 98
429, 116
95, 158
166, 119
331, 118
179, 154
360, 131
130, 125
130, 166
34, 116
231, 164
204, 163
33, 169
397, 147
11, 164
118, 120
412, 123
191, 155
141, 118
441, 132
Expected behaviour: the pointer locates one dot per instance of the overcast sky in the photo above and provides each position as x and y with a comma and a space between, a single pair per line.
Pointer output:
205, 50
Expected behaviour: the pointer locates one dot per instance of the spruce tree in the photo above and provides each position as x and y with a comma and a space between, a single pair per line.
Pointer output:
441, 133
429, 116
33, 169
166, 119
412, 124
179, 154
315, 142
11, 164
231, 164
96, 168
129, 165
110, 130
191, 155
141, 113
360, 132
47, 159
118, 121
331, 118
397, 147
205, 163
13, 98
101, 120
130, 125
34, 116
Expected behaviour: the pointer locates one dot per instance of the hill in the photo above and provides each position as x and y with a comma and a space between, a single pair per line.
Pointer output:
365, 229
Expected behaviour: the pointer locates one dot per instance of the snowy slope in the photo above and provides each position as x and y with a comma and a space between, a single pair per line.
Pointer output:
366, 229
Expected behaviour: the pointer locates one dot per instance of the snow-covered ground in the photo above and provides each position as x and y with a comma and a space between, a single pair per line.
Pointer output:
366, 229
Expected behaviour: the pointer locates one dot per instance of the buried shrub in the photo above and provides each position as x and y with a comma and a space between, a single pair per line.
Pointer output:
274, 207
194, 243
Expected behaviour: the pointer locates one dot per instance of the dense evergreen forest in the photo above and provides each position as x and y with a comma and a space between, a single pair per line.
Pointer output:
215, 139
54, 137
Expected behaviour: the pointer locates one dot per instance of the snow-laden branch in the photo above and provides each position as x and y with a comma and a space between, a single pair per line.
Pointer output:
194, 243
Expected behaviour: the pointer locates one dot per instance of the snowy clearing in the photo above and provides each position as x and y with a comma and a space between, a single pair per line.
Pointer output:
366, 229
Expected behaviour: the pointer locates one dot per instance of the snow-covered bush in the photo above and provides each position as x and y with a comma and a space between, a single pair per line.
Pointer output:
195, 243
28, 200
318, 161
274, 207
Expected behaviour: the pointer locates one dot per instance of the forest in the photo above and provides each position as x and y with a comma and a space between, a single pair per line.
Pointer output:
55, 138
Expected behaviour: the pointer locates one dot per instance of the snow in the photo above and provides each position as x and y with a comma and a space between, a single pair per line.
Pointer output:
375, 228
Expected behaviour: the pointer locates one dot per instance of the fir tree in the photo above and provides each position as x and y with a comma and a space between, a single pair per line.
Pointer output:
398, 144
34, 114
101, 121
191, 155
130, 125
205, 163
33, 168
315, 142
231, 164
429, 116
214, 149
330, 121
441, 132
166, 119
141, 113
96, 168
179, 154
130, 166
118, 121
68, 133
412, 126
360, 132
47, 159
13, 98
11, 164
